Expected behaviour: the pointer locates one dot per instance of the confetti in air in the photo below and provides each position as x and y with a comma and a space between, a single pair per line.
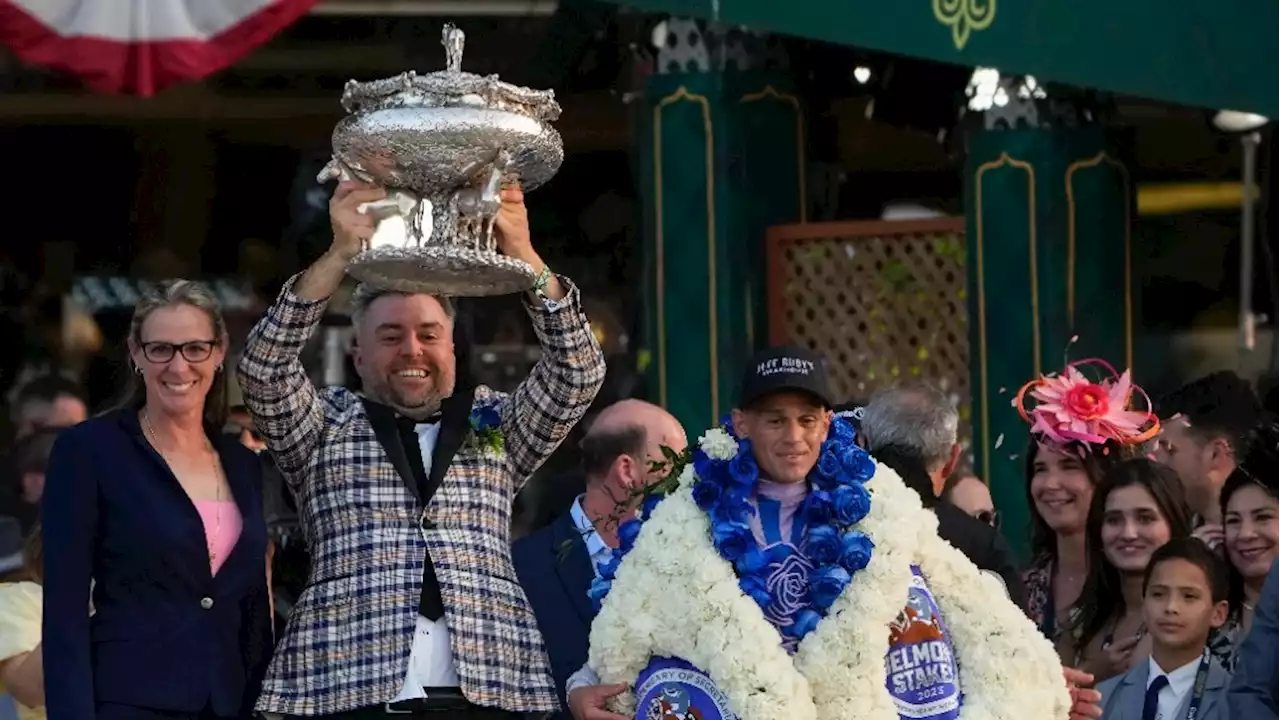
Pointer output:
999, 441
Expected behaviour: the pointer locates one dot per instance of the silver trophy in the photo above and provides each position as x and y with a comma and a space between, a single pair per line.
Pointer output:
444, 145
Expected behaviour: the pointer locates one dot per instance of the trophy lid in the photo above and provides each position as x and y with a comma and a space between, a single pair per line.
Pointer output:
451, 87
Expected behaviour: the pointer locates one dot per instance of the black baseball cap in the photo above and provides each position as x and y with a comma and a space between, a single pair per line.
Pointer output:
784, 369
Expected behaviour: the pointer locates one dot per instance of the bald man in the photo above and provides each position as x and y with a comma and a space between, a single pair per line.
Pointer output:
557, 564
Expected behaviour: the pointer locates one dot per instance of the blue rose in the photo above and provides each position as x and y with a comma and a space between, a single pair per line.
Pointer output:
732, 539
756, 588
752, 561
823, 544
650, 502
817, 508
841, 431
609, 568
857, 463
828, 463
852, 503
855, 551
703, 465
804, 623
726, 423
743, 471
486, 417
706, 494
825, 585
733, 508
598, 590
627, 534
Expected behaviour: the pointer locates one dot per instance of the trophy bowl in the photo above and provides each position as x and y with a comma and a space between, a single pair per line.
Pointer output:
443, 144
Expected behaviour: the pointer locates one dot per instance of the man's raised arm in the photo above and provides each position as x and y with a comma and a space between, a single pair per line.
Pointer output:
285, 406
540, 412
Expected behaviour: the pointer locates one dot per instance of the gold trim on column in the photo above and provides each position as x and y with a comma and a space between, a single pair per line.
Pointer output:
1095, 161
682, 94
770, 91
983, 386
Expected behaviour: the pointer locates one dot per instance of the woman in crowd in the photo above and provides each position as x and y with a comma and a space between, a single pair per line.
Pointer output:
1139, 506
163, 513
1060, 481
1251, 530
1082, 423
21, 669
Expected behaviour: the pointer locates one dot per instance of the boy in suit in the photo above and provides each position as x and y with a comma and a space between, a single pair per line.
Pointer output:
1184, 598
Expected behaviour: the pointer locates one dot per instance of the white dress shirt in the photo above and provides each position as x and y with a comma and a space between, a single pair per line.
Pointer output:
598, 552
1171, 696
431, 658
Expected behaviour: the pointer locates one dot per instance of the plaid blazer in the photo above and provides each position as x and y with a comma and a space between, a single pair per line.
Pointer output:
348, 639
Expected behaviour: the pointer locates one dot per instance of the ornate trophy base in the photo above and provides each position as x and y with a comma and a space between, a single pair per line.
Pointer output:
450, 271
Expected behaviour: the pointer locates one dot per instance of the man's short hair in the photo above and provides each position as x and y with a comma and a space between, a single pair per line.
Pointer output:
1194, 551
914, 417
599, 448
45, 390
364, 295
1221, 404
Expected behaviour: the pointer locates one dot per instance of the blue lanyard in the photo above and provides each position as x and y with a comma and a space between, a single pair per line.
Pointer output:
1197, 691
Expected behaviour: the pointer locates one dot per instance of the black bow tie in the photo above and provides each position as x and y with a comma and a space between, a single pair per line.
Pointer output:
407, 423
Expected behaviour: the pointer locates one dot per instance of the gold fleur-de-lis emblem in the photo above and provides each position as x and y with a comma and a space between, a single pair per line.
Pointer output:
964, 17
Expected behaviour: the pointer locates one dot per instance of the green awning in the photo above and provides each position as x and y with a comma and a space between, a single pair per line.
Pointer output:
1219, 55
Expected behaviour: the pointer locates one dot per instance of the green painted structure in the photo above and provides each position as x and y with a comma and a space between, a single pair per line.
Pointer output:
1213, 55
1048, 229
722, 158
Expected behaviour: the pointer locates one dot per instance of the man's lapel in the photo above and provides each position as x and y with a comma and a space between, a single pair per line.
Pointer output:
573, 565
1215, 688
1133, 691
383, 420
455, 424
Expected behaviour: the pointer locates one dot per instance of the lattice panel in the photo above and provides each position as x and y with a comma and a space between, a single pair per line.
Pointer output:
883, 301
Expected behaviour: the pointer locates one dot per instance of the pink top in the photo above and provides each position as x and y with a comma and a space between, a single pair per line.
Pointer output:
789, 496
222, 525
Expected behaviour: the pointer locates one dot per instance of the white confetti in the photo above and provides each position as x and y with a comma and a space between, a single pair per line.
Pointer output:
999, 441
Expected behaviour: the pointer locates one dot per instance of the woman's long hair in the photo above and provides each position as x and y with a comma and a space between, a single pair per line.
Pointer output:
1096, 462
171, 293
1102, 597
1257, 468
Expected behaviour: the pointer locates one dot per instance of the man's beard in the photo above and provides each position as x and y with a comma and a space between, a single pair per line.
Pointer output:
386, 394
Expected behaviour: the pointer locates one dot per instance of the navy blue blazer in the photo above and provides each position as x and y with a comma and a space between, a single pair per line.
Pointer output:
166, 633
1253, 689
555, 571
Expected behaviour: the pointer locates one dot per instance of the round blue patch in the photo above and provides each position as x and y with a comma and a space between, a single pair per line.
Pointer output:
672, 689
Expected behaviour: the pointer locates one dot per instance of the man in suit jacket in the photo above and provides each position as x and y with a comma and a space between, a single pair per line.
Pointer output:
915, 424
405, 494
557, 564
1123, 697
1253, 688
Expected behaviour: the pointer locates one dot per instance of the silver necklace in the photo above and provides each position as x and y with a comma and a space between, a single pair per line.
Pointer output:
217, 508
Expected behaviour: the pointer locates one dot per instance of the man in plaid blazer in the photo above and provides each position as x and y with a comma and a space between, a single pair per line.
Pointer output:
405, 494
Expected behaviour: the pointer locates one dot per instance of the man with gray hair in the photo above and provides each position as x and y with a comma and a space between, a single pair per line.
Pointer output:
919, 419
913, 428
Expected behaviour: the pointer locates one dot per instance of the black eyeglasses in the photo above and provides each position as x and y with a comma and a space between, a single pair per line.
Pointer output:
193, 352
990, 517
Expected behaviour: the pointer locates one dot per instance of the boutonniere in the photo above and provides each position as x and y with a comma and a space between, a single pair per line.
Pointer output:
486, 428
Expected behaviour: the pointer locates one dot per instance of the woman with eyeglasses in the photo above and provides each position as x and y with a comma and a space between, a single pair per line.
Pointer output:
160, 513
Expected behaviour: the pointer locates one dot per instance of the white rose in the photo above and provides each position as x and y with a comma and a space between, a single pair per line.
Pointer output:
718, 444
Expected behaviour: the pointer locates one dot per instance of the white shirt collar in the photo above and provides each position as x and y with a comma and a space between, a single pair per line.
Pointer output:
597, 549
1180, 679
